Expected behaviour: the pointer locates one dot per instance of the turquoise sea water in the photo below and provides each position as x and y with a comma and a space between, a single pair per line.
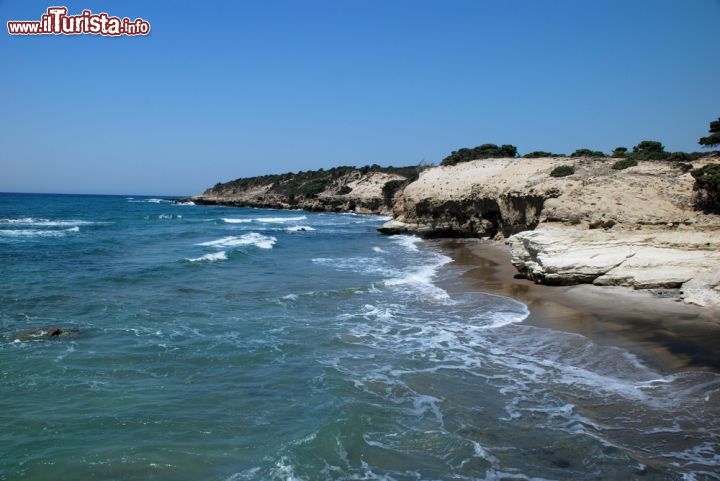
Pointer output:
240, 344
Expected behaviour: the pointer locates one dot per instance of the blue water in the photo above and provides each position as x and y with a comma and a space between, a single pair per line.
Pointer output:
239, 344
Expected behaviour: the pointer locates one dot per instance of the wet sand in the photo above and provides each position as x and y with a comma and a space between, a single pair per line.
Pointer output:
665, 333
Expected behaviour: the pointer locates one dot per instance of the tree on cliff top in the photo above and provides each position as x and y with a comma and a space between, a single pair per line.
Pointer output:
712, 140
649, 150
484, 151
587, 153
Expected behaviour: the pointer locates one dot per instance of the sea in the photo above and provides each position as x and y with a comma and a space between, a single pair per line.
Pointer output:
228, 344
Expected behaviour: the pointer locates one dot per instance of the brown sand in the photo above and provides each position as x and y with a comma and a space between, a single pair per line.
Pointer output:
666, 334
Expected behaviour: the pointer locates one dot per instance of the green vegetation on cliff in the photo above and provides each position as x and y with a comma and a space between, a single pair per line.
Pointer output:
707, 184
484, 151
310, 183
562, 171
712, 140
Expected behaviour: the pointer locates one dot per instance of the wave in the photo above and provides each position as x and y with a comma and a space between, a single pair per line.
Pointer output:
229, 220
31, 221
215, 256
37, 232
252, 238
280, 220
151, 201
421, 278
299, 228
409, 242
185, 203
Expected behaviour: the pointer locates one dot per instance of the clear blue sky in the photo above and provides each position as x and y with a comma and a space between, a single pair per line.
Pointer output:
222, 90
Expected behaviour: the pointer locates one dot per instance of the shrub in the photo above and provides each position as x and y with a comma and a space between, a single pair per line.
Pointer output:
314, 187
541, 153
619, 152
713, 139
685, 167
484, 151
624, 164
679, 157
562, 171
707, 184
587, 153
344, 190
649, 150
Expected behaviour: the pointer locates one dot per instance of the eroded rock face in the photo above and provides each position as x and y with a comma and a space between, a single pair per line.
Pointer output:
501, 197
689, 260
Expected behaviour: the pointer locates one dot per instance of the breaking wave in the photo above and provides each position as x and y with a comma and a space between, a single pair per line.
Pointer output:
252, 238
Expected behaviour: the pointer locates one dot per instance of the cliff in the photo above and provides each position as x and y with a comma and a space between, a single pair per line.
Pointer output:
636, 227
367, 190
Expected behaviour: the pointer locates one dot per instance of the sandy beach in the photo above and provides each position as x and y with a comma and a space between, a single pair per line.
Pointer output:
664, 332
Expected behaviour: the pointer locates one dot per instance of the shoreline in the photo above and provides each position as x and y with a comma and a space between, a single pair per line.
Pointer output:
666, 334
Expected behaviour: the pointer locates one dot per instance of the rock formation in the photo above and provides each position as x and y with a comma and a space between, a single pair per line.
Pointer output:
343, 189
635, 227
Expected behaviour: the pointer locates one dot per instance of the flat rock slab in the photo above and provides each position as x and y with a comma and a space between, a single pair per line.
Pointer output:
639, 259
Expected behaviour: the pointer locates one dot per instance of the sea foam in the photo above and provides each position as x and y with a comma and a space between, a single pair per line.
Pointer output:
31, 221
215, 256
252, 238
299, 228
37, 232
280, 220
230, 220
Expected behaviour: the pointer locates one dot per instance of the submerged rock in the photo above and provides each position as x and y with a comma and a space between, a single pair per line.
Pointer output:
43, 333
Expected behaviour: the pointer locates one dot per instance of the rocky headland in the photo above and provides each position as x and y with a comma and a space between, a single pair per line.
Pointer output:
638, 227
365, 190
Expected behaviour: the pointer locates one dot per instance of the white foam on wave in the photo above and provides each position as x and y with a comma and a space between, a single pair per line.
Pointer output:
230, 220
31, 221
363, 265
409, 242
421, 278
299, 228
380, 250
280, 220
37, 232
215, 256
189, 202
251, 238
150, 201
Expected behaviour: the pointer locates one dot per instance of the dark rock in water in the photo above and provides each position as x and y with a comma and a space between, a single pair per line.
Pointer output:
561, 463
42, 333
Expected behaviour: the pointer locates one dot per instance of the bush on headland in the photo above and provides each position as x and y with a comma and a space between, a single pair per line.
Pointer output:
562, 171
484, 151
649, 150
587, 153
707, 185
619, 152
541, 153
624, 164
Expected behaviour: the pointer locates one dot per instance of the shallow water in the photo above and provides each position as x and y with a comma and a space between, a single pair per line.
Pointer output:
231, 344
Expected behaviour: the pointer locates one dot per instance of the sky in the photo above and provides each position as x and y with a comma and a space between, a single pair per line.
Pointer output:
221, 90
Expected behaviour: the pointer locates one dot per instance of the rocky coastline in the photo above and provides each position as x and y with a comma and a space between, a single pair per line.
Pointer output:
636, 227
